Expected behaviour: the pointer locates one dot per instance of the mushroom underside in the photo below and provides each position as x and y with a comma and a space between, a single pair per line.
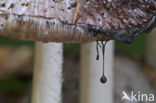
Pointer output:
51, 29
97, 20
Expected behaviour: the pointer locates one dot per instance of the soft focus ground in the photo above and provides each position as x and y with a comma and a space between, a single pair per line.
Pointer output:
16, 67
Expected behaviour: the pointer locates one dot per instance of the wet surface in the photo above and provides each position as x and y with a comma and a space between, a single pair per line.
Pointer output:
121, 20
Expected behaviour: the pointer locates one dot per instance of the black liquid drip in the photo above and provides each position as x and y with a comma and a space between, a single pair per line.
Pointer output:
102, 46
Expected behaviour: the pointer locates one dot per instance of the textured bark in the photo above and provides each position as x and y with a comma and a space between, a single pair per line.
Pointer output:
47, 20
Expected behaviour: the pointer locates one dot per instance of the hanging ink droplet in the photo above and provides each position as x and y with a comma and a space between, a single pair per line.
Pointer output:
97, 57
102, 46
103, 79
97, 49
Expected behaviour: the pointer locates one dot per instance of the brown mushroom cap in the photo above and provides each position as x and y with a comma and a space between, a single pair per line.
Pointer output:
46, 20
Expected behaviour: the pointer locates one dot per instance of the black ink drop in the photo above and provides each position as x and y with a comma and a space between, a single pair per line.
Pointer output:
102, 46
97, 49
103, 79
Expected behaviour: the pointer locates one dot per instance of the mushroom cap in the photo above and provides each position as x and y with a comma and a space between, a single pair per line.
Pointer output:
121, 20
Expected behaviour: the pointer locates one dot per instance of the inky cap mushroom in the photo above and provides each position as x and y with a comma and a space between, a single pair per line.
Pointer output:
76, 21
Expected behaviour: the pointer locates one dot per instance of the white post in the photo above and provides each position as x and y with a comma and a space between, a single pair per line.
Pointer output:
151, 49
47, 81
91, 90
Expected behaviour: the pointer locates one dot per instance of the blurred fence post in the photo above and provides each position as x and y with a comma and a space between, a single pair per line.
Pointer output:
151, 49
91, 90
47, 81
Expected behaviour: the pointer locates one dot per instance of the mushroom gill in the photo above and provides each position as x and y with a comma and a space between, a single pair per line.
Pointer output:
96, 20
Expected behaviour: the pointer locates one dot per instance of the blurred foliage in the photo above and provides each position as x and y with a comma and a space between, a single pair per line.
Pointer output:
74, 48
138, 47
14, 42
12, 83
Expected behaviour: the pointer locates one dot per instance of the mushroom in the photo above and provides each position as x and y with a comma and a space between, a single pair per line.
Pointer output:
77, 21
